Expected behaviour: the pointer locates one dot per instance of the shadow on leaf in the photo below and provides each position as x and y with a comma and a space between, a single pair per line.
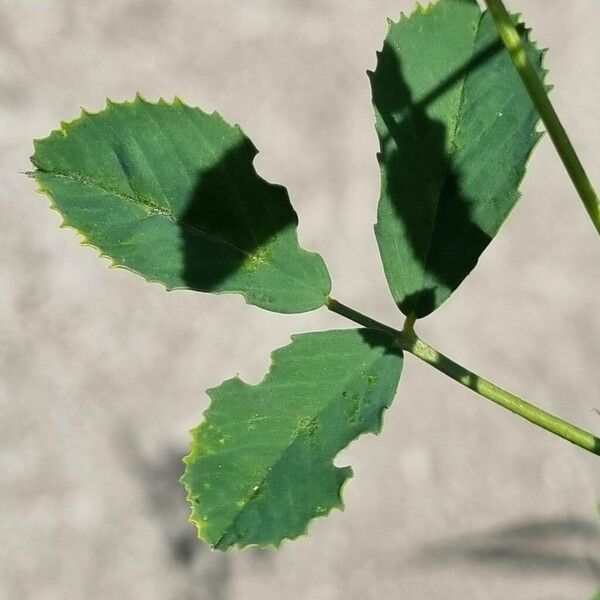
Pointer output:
230, 219
423, 183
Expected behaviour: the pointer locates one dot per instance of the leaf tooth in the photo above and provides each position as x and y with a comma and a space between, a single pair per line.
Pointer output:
247, 139
401, 18
542, 63
65, 126
177, 101
378, 55
424, 9
63, 130
237, 379
85, 241
217, 115
140, 99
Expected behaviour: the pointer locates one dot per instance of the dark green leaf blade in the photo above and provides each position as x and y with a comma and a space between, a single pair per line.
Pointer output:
456, 128
171, 193
261, 463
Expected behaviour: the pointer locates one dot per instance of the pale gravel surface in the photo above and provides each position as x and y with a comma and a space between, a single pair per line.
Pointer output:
102, 374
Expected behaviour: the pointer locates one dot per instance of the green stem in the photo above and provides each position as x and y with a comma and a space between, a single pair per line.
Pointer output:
492, 392
408, 340
345, 311
537, 92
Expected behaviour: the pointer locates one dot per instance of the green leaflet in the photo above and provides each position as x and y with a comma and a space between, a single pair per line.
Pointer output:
171, 193
456, 127
261, 463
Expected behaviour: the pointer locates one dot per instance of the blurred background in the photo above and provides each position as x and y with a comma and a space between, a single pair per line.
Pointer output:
102, 374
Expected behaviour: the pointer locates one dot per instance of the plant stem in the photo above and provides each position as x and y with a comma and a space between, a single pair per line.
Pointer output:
537, 92
345, 311
409, 341
492, 392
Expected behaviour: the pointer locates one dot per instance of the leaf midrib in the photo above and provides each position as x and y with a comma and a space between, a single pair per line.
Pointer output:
153, 208
156, 210
450, 156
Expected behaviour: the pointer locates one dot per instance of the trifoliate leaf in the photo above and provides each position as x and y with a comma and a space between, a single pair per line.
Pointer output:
456, 127
261, 463
171, 193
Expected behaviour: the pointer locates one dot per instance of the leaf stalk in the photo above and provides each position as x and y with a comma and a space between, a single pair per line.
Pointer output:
537, 92
408, 340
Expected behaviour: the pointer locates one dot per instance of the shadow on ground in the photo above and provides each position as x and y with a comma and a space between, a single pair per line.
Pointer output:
207, 573
567, 545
